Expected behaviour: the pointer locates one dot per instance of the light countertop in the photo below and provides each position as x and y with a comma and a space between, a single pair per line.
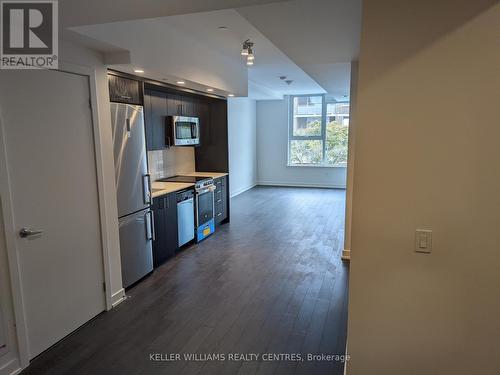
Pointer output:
208, 174
162, 188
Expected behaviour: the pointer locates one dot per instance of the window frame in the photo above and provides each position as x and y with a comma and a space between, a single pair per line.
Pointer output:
321, 137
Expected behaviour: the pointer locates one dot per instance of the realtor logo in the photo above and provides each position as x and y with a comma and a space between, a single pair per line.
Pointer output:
29, 35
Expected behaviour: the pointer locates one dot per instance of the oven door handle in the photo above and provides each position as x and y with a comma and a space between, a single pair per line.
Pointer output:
196, 211
206, 189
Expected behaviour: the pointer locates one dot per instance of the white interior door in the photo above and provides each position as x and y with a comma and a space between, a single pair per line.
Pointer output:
52, 175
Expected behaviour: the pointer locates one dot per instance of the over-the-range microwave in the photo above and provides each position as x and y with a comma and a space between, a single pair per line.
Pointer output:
182, 131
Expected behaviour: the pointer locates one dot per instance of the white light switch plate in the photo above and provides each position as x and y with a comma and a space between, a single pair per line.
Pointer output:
423, 241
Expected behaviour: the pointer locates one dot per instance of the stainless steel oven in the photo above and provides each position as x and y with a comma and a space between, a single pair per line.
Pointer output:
185, 130
205, 209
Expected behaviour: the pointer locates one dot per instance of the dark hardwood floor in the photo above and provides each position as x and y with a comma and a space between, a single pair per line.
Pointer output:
271, 281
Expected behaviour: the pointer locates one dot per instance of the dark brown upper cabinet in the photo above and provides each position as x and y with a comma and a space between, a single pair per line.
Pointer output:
155, 118
212, 153
124, 90
181, 105
187, 106
173, 105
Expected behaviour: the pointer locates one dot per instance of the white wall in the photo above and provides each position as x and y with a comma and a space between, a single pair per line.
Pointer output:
353, 94
272, 153
76, 54
427, 156
242, 135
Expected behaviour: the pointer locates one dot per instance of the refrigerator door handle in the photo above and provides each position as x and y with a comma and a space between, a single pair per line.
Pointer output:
150, 229
147, 188
150, 194
153, 235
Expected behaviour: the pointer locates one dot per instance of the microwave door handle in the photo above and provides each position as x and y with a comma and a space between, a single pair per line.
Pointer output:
194, 130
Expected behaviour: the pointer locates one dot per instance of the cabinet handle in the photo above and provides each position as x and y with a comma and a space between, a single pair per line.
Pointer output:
220, 213
125, 97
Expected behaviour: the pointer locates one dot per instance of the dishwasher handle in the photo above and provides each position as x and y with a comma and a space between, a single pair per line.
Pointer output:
184, 196
185, 201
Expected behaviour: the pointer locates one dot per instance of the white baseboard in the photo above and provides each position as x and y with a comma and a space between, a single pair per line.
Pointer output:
296, 184
11, 367
238, 192
118, 297
346, 254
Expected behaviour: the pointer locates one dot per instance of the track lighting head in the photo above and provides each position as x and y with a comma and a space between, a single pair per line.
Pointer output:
247, 50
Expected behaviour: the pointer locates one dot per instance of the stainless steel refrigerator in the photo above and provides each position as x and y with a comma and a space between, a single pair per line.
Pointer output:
133, 186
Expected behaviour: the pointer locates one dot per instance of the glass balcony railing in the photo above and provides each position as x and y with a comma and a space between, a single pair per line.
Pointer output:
308, 110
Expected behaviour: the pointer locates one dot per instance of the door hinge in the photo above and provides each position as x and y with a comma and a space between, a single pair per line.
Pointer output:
90, 103
104, 286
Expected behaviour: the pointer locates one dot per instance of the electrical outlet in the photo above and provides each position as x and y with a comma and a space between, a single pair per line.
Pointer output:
423, 241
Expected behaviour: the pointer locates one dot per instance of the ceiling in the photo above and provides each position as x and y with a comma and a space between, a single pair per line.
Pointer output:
270, 63
90, 12
320, 36
311, 42
166, 53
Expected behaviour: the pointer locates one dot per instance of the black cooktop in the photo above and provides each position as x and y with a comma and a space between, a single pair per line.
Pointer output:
188, 179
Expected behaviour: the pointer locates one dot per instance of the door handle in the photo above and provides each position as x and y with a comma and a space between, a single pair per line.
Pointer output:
26, 232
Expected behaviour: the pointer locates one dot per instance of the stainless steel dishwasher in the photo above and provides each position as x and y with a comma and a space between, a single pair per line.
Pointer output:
185, 216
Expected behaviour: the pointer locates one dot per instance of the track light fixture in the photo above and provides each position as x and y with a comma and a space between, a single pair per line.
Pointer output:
247, 50
247, 44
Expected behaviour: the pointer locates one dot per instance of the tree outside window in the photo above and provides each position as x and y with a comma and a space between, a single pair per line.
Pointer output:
318, 133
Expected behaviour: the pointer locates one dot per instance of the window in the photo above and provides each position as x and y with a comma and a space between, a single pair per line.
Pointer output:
318, 132
307, 112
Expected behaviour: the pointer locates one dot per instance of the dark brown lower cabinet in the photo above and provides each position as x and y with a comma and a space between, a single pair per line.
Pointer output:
165, 243
221, 200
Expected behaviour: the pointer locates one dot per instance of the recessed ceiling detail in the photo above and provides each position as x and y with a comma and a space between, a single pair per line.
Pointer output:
270, 62
320, 36
201, 49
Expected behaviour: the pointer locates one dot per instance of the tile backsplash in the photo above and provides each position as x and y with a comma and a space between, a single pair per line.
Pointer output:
171, 162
